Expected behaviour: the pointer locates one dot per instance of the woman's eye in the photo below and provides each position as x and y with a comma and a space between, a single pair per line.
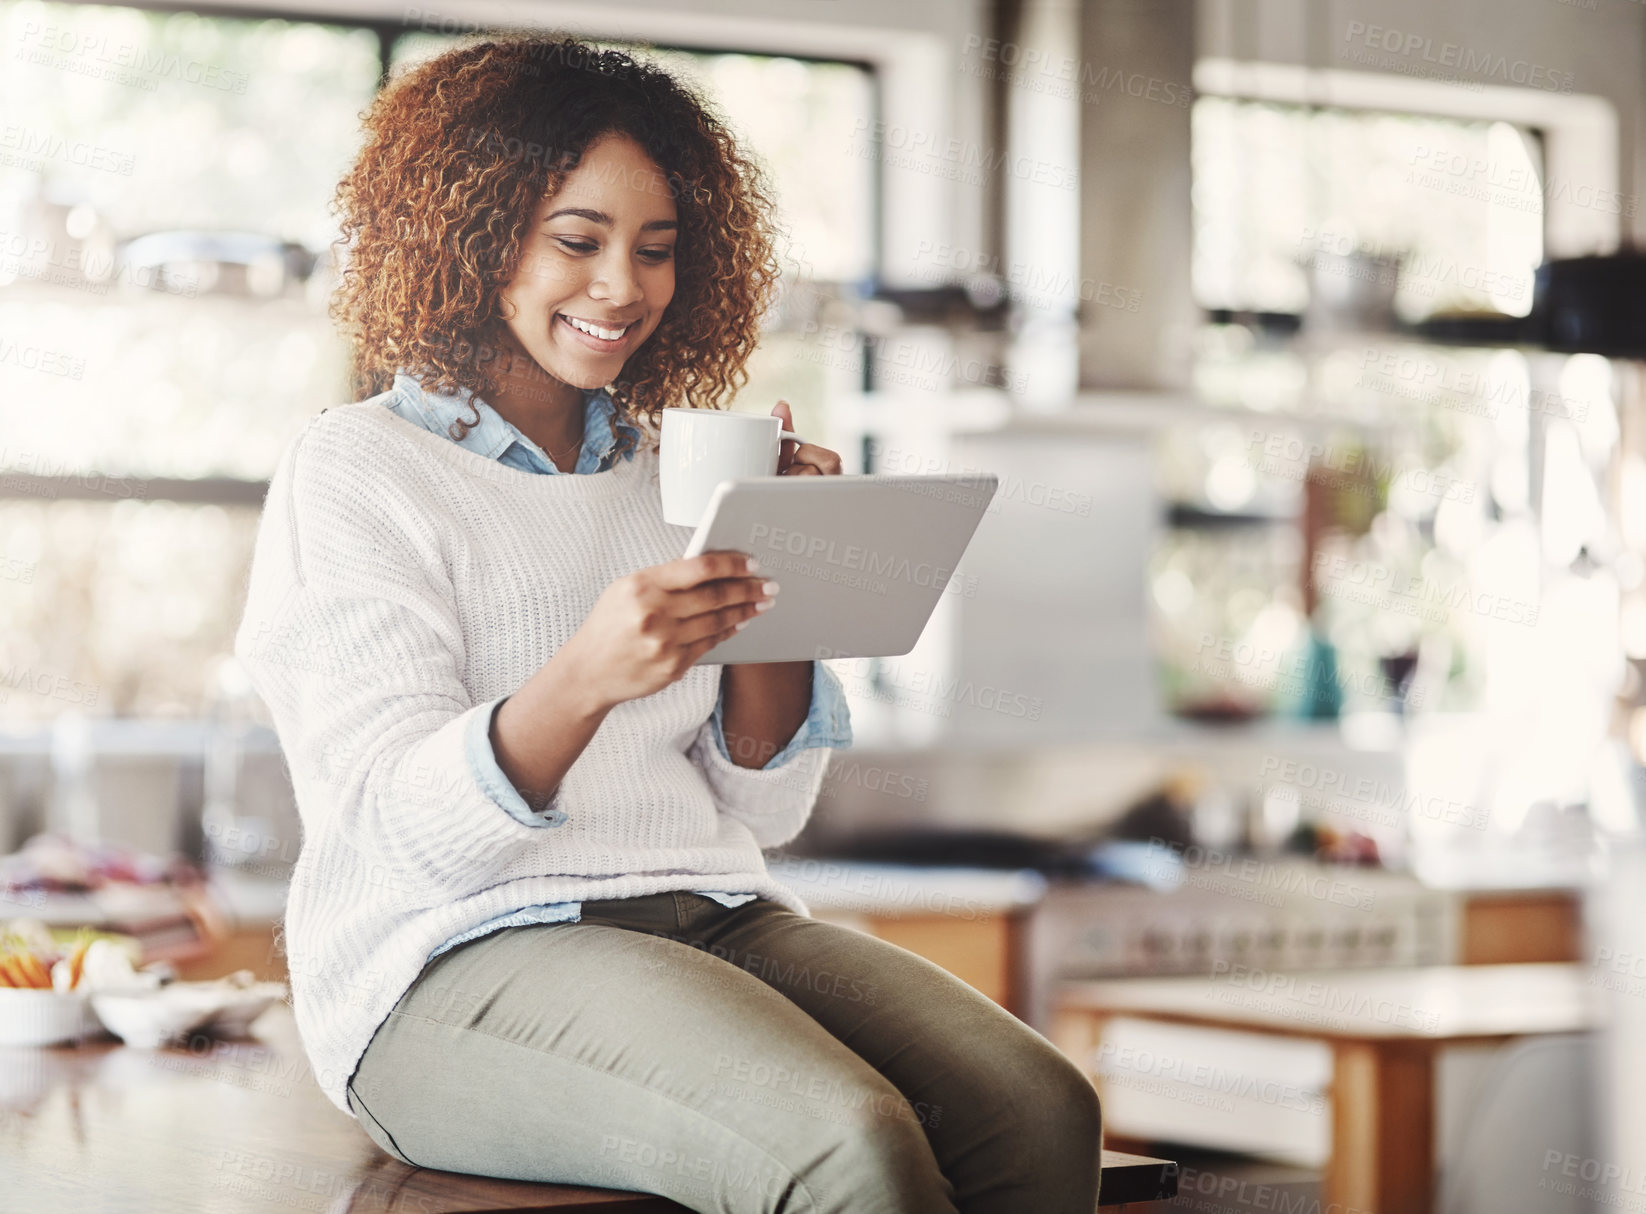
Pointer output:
655, 255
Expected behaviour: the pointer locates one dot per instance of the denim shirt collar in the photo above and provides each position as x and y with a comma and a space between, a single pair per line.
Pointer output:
495, 435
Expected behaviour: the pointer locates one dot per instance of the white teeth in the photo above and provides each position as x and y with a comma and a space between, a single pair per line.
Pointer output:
584, 326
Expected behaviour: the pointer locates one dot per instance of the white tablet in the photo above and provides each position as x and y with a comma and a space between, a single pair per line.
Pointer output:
861, 560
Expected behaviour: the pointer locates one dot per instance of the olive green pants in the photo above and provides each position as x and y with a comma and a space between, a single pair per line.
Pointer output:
735, 1060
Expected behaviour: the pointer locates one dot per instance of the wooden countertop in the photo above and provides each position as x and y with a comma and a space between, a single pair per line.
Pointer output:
230, 1127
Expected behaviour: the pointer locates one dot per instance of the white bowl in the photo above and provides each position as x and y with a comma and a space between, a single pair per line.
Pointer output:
36, 1017
178, 1010
235, 1018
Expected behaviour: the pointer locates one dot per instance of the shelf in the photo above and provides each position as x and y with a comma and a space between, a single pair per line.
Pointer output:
1186, 516
1282, 330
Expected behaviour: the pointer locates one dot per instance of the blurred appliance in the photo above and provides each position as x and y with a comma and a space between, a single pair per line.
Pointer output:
1592, 305
249, 812
1049, 638
128, 782
25, 784
1352, 292
1580, 305
935, 339
1267, 919
142, 784
249, 817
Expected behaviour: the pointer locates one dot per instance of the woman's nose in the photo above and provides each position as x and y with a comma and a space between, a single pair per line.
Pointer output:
616, 283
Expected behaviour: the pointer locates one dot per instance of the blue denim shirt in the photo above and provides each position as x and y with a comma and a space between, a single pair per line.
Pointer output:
828, 722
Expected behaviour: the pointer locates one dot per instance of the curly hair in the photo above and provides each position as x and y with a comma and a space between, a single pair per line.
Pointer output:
460, 149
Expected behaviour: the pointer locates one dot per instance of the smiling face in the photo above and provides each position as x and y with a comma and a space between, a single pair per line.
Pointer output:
597, 267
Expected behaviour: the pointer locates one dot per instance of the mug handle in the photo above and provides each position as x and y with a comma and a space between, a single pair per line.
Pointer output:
783, 434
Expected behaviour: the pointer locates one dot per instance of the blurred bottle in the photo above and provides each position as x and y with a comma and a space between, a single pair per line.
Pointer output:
74, 809
236, 836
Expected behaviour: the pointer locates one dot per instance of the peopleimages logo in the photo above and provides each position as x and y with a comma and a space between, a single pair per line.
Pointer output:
1349, 468
1008, 487
1423, 49
1612, 1181
25, 147
102, 56
926, 691
49, 684
1317, 1001
1360, 797
896, 360
1379, 586
1020, 65
1125, 1066
964, 160
1032, 283
827, 551
1462, 388
38, 358
1256, 880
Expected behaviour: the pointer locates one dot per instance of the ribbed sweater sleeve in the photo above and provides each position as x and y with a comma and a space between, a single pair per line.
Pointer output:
351, 638
773, 802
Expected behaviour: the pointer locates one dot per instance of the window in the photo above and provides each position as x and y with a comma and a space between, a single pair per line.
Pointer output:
1351, 533
1460, 203
150, 384
146, 401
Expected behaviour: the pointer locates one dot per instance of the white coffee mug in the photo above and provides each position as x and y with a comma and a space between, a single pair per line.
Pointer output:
702, 447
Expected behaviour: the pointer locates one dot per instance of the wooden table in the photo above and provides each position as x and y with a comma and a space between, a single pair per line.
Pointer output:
1135, 1178
236, 1126
1384, 1027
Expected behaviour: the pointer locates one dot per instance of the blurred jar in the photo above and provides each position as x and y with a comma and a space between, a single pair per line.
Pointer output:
249, 817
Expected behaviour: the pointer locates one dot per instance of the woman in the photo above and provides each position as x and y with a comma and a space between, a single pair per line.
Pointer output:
531, 932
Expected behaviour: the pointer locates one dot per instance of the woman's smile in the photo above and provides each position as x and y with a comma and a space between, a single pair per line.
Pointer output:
603, 336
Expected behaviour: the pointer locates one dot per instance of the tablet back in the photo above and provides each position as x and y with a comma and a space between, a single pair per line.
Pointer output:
861, 559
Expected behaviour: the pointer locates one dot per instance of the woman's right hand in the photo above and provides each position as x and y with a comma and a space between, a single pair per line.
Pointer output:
648, 628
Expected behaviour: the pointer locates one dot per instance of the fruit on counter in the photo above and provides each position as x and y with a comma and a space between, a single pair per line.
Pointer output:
31, 958
109, 968
24, 970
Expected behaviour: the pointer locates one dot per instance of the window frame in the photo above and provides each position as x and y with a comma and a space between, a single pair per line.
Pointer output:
91, 485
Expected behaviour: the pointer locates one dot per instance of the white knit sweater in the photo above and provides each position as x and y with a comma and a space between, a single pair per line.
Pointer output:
401, 585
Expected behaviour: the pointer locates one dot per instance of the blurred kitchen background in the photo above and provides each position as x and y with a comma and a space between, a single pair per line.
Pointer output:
1304, 337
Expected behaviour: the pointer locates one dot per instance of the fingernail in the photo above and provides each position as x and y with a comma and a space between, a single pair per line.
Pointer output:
741, 625
752, 565
769, 587
767, 605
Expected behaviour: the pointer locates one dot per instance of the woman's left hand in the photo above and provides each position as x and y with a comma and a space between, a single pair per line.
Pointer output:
802, 459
